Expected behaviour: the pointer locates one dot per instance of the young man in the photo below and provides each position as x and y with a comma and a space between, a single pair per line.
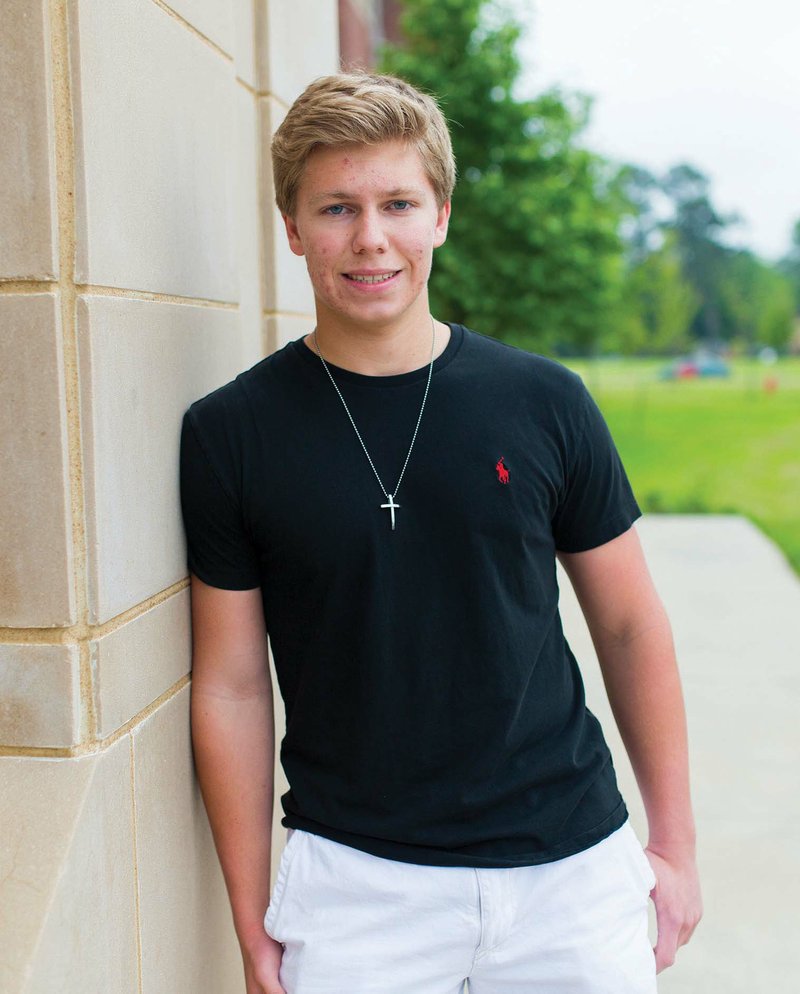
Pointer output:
387, 497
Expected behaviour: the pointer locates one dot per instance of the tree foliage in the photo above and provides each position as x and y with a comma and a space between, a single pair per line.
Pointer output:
658, 303
534, 246
679, 269
697, 226
790, 265
757, 301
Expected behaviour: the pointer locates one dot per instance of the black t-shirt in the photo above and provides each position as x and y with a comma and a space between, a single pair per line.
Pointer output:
434, 710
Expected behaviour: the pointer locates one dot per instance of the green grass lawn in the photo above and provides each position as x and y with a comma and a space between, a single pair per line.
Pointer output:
693, 446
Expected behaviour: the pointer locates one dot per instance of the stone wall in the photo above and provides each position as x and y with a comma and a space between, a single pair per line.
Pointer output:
142, 263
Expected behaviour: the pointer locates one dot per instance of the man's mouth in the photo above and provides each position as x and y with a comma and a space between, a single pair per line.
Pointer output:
374, 278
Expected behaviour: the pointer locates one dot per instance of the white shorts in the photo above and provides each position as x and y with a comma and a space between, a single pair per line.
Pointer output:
353, 923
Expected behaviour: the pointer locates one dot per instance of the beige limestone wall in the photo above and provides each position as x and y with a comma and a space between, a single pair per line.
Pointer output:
142, 264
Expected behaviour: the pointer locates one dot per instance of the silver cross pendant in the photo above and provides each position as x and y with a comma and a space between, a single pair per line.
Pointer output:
390, 507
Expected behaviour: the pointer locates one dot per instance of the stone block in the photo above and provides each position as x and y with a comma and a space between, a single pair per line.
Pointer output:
36, 581
212, 18
39, 695
67, 877
286, 286
141, 364
135, 664
282, 329
245, 40
302, 43
155, 162
188, 942
248, 226
28, 247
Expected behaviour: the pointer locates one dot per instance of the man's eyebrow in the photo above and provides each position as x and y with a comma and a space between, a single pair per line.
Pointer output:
405, 191
331, 195
389, 194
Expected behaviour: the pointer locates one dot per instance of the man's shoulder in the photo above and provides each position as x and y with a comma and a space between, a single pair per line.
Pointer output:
500, 358
231, 401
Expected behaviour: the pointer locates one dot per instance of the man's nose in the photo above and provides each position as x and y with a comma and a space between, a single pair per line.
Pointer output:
369, 234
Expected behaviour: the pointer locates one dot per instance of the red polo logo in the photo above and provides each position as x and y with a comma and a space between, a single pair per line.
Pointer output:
502, 472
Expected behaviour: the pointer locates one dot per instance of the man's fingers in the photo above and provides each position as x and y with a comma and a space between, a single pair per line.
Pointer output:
267, 982
687, 931
262, 966
265, 986
674, 931
666, 948
678, 902
670, 924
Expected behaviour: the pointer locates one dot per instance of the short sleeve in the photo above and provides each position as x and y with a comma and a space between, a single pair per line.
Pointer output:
596, 503
219, 550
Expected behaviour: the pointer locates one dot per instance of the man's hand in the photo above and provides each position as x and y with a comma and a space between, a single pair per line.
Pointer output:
262, 961
679, 905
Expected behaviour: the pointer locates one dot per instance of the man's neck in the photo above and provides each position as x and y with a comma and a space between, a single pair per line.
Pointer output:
376, 350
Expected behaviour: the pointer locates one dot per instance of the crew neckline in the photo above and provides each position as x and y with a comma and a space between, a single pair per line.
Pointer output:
393, 380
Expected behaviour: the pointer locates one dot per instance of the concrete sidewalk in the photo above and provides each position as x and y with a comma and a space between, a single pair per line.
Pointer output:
734, 604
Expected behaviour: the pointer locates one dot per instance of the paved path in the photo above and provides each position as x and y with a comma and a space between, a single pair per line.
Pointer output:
734, 603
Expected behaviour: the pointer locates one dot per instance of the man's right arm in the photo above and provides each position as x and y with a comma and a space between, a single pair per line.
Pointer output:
233, 737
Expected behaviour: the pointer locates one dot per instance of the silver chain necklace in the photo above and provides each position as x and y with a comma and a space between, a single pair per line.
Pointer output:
391, 506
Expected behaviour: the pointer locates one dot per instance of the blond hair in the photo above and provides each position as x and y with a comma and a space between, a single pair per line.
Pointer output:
360, 108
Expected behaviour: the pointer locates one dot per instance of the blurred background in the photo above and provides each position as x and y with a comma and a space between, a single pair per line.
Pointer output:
628, 203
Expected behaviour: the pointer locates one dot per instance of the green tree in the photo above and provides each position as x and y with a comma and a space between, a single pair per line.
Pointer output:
721, 293
641, 226
658, 303
790, 265
757, 301
534, 247
697, 226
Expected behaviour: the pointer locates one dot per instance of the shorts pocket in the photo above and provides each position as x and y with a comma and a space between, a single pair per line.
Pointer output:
640, 858
273, 911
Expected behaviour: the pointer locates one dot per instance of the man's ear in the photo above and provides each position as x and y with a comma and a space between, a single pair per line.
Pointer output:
442, 221
295, 241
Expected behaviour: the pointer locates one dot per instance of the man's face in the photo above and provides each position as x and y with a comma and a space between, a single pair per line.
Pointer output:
367, 222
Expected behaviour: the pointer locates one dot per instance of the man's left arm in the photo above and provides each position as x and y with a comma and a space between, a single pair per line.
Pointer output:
633, 640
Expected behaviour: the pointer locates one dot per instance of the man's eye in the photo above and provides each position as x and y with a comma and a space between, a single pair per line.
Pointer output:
400, 205
335, 209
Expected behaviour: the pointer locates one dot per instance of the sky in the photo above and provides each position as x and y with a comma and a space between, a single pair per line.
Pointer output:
712, 82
